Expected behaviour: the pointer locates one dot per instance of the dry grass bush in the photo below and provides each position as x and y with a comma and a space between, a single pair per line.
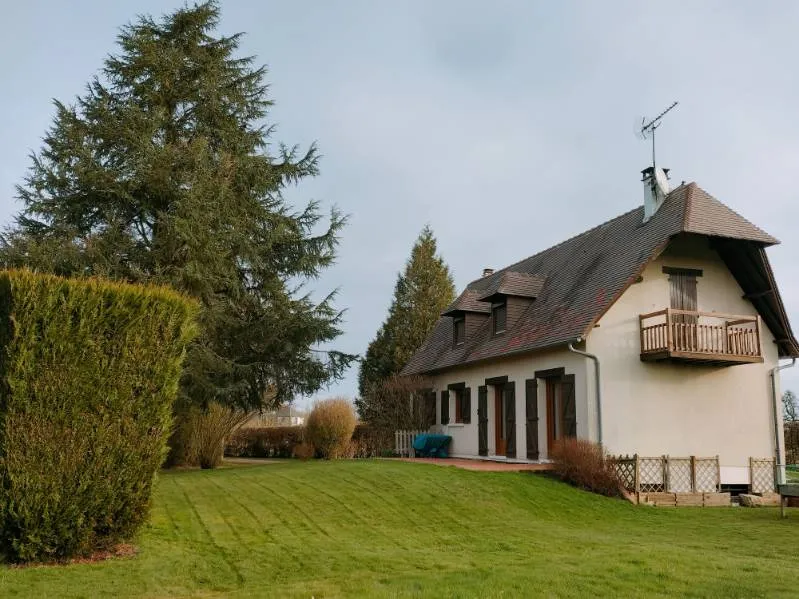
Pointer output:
201, 435
330, 426
211, 429
584, 464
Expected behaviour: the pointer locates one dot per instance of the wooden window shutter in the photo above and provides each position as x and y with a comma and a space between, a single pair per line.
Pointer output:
482, 420
531, 405
510, 418
569, 406
682, 295
466, 409
445, 407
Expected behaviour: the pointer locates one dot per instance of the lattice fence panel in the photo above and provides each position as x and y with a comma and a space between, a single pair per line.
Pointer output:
706, 475
679, 475
625, 470
651, 475
761, 475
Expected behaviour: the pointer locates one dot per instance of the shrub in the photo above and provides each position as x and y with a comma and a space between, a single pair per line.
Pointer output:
267, 442
584, 464
330, 426
398, 403
88, 374
792, 442
368, 442
205, 432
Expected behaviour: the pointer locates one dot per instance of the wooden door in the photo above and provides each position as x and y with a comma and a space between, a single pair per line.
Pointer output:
482, 420
499, 421
561, 409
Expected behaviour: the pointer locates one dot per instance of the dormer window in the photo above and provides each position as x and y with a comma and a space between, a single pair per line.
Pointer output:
499, 312
459, 330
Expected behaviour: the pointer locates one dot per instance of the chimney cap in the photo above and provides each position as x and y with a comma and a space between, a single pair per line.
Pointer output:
487, 272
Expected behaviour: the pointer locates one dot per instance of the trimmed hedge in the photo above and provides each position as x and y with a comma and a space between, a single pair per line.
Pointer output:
88, 373
266, 442
283, 442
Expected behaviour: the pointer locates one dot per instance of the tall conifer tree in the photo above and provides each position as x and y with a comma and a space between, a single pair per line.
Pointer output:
422, 291
163, 172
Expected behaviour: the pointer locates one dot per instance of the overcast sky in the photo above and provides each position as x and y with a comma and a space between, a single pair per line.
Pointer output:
506, 126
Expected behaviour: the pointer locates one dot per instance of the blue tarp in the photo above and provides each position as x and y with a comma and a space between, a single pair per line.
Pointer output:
429, 445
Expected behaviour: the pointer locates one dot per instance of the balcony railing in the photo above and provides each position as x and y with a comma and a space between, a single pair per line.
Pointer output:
710, 337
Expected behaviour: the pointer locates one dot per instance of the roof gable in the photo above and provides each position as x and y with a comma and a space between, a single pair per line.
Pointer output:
579, 279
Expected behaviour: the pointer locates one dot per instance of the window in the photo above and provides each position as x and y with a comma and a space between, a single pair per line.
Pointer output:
458, 406
459, 330
463, 407
499, 313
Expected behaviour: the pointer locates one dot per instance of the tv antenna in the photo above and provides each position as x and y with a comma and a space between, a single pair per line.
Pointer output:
647, 129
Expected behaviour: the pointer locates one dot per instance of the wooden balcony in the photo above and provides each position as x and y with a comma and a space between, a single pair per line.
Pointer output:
700, 337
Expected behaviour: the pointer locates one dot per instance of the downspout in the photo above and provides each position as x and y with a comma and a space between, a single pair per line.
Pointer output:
777, 455
598, 385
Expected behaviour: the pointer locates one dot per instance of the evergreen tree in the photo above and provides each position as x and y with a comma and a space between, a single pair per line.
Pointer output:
163, 172
422, 291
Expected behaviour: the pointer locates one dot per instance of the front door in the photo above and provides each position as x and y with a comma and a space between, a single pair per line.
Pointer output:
561, 412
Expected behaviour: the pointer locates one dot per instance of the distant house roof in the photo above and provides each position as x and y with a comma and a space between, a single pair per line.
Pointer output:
576, 281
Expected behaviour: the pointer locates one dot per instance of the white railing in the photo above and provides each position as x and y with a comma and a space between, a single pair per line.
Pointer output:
403, 443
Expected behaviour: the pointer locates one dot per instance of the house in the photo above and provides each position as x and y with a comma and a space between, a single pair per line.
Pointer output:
657, 333
286, 415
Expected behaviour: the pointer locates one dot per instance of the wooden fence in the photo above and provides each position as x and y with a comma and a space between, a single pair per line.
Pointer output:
403, 443
667, 474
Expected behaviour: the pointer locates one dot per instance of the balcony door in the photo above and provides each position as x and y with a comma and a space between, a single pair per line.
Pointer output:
682, 292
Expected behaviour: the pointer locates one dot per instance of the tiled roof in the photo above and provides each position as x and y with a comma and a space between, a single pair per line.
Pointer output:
582, 277
467, 302
518, 284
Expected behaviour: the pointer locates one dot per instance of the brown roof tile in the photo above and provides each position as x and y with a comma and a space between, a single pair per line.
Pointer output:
580, 278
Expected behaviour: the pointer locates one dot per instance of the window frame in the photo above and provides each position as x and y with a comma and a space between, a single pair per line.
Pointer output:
502, 305
458, 412
458, 322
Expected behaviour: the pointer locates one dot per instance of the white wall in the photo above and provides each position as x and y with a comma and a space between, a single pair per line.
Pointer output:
654, 408
518, 370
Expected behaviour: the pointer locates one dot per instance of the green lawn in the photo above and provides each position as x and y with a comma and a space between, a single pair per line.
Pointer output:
380, 528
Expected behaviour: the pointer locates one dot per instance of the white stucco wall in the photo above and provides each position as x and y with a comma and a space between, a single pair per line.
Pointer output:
655, 408
518, 370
